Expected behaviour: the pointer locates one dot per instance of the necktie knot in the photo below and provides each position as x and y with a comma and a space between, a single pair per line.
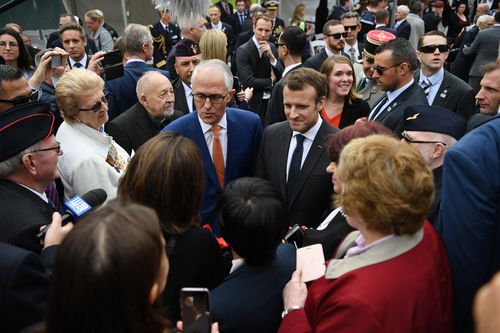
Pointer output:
216, 129
300, 140
78, 65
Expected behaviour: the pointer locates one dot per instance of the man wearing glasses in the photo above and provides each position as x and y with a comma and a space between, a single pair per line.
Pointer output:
228, 138
440, 86
352, 26
432, 131
395, 62
334, 35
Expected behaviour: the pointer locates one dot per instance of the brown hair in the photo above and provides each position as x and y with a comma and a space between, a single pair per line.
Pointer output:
301, 77
386, 183
167, 175
72, 26
264, 17
327, 69
430, 33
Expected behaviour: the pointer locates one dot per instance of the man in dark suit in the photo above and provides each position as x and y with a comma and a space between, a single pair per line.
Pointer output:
54, 40
488, 97
258, 66
74, 40
165, 35
253, 222
403, 28
216, 23
440, 86
187, 57
293, 156
485, 47
239, 16
352, 26
433, 17
226, 10
153, 111
395, 62
469, 217
382, 17
290, 47
228, 138
139, 48
334, 36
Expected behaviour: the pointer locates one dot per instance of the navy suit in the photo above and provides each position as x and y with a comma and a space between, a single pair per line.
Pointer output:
24, 286
122, 95
244, 133
469, 216
404, 30
249, 299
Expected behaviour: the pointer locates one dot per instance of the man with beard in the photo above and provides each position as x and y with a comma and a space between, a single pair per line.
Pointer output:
334, 35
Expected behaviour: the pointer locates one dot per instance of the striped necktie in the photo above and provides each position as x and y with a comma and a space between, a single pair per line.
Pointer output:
426, 86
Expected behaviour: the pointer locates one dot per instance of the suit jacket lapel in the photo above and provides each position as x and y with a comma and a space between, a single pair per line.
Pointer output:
284, 137
181, 96
143, 122
233, 128
442, 92
397, 101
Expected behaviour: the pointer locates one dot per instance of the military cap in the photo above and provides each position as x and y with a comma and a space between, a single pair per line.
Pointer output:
186, 48
374, 39
427, 118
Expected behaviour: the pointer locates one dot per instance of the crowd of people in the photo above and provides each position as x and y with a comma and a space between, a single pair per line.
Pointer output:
213, 133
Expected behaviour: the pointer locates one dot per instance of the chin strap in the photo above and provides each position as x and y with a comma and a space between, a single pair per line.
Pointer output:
185, 12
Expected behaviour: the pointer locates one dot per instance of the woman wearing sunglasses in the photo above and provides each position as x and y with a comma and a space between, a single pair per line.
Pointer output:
92, 159
343, 103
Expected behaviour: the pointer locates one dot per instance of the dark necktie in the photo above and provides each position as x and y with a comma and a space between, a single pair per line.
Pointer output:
426, 86
53, 196
294, 170
376, 111
362, 84
352, 54
242, 18
77, 65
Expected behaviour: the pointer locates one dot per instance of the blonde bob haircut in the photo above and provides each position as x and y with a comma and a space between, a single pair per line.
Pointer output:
71, 87
386, 183
95, 14
213, 45
327, 69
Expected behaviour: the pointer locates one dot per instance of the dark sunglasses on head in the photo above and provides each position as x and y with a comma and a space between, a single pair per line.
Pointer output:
97, 106
32, 97
432, 48
350, 27
338, 35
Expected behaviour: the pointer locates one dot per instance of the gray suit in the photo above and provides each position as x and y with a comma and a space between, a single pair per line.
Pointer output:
371, 92
417, 28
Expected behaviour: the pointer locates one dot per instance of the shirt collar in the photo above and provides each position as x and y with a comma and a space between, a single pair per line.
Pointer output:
257, 45
289, 68
83, 61
393, 94
217, 26
206, 127
435, 78
311, 134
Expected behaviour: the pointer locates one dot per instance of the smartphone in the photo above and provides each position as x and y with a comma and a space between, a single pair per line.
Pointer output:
112, 58
56, 61
295, 236
195, 310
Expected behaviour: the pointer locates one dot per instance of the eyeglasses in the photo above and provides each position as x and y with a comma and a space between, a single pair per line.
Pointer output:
338, 35
56, 148
11, 44
431, 48
32, 97
97, 106
381, 70
350, 27
214, 99
409, 139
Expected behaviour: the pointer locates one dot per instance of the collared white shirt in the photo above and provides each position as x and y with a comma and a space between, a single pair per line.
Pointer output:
436, 80
289, 68
209, 135
83, 61
348, 47
135, 60
189, 96
217, 26
236, 263
308, 140
43, 195
392, 95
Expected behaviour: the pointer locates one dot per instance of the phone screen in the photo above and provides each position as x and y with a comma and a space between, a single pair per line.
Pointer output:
56, 61
195, 309
295, 236
112, 58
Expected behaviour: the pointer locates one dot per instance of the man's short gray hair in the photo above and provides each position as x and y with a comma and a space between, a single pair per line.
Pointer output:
15, 163
404, 9
483, 19
218, 65
134, 36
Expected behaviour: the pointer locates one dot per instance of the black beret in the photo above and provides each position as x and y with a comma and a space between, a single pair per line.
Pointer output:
23, 126
186, 48
425, 118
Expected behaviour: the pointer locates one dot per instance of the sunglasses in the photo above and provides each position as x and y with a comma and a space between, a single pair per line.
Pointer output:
381, 70
56, 148
350, 27
409, 139
338, 35
97, 106
32, 97
431, 48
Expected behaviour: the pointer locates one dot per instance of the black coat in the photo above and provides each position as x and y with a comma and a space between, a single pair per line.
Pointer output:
163, 41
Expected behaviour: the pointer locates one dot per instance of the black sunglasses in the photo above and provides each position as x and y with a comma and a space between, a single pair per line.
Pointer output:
431, 48
350, 27
338, 35
381, 70
56, 148
409, 139
97, 106
32, 97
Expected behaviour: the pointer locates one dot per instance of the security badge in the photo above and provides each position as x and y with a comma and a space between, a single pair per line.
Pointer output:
443, 94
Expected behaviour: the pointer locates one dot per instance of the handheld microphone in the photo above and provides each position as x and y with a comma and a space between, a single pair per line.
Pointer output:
79, 206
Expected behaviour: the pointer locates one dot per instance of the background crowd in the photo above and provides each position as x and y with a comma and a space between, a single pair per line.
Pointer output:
375, 129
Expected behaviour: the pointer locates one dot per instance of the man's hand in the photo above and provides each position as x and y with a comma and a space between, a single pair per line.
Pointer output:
94, 63
44, 71
266, 49
56, 232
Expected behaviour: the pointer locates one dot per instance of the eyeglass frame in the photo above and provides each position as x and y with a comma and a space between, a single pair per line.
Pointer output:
32, 97
11, 44
340, 34
203, 100
98, 105
56, 148
381, 70
409, 139
425, 48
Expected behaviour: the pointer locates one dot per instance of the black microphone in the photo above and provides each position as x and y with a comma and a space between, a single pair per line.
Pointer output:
79, 206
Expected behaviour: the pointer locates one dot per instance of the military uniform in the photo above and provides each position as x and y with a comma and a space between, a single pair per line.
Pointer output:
163, 41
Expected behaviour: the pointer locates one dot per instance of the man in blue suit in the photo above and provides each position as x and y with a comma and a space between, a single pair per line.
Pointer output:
139, 48
228, 138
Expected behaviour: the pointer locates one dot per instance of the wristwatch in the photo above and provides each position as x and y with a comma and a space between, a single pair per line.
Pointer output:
290, 309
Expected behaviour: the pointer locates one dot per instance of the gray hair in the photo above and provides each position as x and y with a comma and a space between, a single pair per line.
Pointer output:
15, 163
134, 36
404, 9
143, 84
483, 19
218, 65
